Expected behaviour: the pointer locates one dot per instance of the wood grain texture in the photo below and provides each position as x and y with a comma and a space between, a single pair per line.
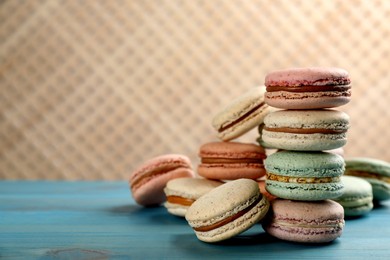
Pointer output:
99, 220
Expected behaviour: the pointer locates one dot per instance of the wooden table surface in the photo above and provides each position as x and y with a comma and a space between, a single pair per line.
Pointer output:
99, 220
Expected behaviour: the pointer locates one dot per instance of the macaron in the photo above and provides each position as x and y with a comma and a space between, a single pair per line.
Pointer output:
227, 210
308, 88
241, 115
305, 130
305, 222
304, 175
231, 160
376, 172
182, 192
357, 196
148, 181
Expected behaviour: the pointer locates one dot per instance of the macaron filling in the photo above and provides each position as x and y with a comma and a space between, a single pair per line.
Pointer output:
311, 88
371, 175
240, 118
180, 200
228, 219
282, 178
305, 130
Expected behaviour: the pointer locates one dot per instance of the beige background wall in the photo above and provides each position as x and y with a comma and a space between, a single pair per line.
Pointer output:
90, 89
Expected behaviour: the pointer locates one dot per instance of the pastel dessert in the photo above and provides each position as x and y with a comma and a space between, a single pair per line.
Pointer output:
304, 175
376, 172
308, 88
182, 192
231, 160
305, 130
243, 114
148, 181
227, 210
305, 222
357, 196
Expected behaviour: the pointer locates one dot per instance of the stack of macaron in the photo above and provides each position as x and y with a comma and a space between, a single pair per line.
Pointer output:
238, 204
223, 199
298, 193
228, 159
303, 176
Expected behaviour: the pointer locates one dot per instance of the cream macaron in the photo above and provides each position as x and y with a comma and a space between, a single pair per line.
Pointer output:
182, 192
241, 115
227, 210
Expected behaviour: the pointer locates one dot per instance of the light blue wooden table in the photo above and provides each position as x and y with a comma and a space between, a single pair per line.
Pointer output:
99, 220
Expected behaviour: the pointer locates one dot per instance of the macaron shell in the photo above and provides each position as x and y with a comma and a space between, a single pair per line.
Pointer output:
307, 100
307, 76
226, 200
380, 189
239, 108
357, 196
306, 222
305, 192
152, 192
191, 188
231, 172
176, 209
160, 164
303, 142
368, 165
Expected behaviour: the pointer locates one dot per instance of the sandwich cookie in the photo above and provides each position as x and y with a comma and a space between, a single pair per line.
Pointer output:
305, 130
231, 160
357, 196
305, 222
304, 175
308, 88
227, 210
243, 114
376, 172
148, 181
182, 192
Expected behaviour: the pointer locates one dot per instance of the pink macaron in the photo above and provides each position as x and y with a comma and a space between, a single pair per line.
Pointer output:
308, 88
305, 221
231, 161
148, 181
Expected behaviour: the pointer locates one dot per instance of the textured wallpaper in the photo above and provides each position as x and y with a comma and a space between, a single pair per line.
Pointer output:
90, 89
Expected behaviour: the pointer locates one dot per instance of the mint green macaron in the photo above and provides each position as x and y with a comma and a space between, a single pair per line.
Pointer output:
357, 196
376, 172
307, 176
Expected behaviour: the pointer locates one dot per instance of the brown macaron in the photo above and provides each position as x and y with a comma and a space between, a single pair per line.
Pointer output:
231, 161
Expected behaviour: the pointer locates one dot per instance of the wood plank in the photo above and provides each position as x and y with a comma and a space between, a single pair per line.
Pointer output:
99, 220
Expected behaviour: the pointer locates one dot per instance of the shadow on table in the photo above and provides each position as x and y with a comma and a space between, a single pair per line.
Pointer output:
254, 243
157, 215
